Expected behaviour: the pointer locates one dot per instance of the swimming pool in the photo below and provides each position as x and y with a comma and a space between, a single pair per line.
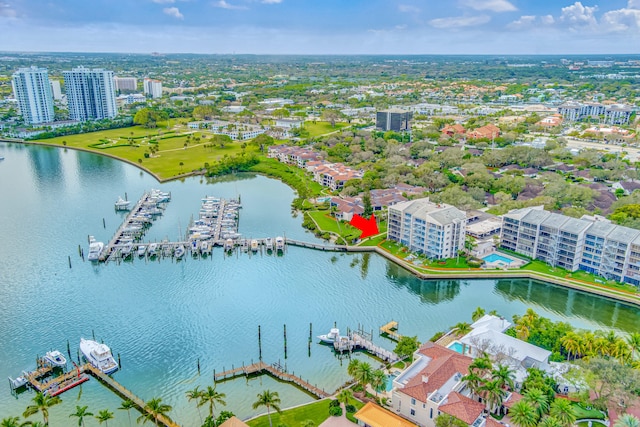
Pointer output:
495, 258
457, 347
389, 383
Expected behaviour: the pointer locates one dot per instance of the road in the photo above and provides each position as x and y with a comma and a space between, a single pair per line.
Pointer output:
633, 154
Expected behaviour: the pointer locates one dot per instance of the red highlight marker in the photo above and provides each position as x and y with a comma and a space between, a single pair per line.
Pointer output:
369, 226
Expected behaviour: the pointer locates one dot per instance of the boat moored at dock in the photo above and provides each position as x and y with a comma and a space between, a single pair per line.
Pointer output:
122, 204
254, 245
55, 359
98, 355
280, 244
179, 252
95, 249
331, 337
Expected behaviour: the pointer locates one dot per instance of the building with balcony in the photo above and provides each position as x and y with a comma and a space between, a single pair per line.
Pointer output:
435, 230
126, 83
91, 94
152, 88
394, 119
32, 90
615, 114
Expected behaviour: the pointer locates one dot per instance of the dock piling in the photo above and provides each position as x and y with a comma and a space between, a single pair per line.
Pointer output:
259, 343
285, 341
198, 366
69, 261
104, 223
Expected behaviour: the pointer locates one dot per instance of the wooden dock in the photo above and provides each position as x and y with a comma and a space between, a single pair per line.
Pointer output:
390, 330
368, 345
274, 370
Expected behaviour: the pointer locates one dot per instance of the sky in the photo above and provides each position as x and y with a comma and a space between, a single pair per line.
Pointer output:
322, 26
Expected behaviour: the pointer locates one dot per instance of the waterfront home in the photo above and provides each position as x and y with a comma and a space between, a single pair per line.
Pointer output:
433, 385
436, 230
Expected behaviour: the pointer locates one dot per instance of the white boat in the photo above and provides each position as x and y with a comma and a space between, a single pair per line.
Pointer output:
331, 337
268, 242
228, 245
99, 355
153, 247
179, 252
20, 381
126, 250
55, 358
204, 247
95, 249
279, 243
254, 245
122, 204
142, 249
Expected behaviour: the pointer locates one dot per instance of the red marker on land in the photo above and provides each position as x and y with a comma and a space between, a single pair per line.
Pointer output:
369, 226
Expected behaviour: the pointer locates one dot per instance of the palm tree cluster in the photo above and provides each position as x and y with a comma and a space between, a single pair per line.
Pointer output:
535, 409
210, 397
565, 342
489, 383
364, 374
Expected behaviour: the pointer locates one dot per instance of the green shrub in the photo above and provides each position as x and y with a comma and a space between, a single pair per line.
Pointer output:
334, 403
436, 337
350, 409
335, 411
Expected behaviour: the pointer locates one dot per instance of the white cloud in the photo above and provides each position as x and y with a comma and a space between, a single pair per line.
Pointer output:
271, 1
459, 21
163, 1
492, 5
634, 4
6, 11
173, 11
547, 20
621, 20
224, 5
407, 8
525, 21
578, 15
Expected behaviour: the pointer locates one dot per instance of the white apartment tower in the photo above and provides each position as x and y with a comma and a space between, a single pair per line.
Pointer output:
153, 88
56, 90
32, 90
91, 94
126, 83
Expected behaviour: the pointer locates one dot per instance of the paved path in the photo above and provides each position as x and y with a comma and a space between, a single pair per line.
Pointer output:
340, 421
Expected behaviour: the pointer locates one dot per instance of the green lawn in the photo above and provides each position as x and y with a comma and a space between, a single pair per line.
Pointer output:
321, 128
316, 412
171, 150
541, 267
374, 241
291, 175
328, 224
358, 406
584, 413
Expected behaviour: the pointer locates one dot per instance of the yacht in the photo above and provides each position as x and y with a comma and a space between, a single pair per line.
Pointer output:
331, 337
142, 250
122, 205
268, 242
55, 359
99, 355
279, 244
95, 249
254, 245
179, 252
153, 247
126, 250
204, 247
228, 245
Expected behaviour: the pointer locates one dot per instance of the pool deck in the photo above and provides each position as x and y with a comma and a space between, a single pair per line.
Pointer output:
514, 263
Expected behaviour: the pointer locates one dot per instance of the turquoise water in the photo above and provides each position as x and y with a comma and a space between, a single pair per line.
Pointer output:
496, 257
456, 346
389, 382
162, 317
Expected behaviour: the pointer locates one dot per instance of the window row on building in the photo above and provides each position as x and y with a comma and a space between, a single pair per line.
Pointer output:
592, 244
616, 114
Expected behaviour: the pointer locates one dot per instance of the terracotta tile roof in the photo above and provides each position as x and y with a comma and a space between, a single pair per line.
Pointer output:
513, 398
491, 422
444, 364
233, 422
461, 407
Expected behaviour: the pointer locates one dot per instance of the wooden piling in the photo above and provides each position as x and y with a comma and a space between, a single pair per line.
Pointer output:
259, 343
285, 341
69, 261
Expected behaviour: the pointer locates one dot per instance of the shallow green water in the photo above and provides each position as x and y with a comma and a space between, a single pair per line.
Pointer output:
161, 317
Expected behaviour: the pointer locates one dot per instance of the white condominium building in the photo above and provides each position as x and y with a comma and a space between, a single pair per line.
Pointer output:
436, 230
56, 89
153, 88
91, 94
126, 83
33, 92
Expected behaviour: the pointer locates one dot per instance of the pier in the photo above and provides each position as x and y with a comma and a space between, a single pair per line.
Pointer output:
390, 330
276, 371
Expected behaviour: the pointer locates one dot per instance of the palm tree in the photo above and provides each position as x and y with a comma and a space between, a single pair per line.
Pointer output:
477, 314
462, 328
481, 366
549, 421
378, 381
504, 375
634, 343
474, 382
562, 410
10, 422
344, 396
41, 403
33, 424
153, 410
195, 394
627, 420
127, 405
270, 400
360, 371
538, 400
81, 412
104, 416
571, 343
211, 396
523, 415
620, 350
493, 395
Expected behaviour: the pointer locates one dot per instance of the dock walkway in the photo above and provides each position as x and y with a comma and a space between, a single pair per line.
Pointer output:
378, 351
391, 330
274, 370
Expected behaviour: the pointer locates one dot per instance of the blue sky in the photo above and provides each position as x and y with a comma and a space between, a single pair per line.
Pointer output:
322, 26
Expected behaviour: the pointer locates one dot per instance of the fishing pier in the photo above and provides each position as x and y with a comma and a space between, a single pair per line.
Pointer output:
274, 370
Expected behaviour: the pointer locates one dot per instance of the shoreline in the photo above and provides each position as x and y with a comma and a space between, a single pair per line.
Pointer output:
617, 295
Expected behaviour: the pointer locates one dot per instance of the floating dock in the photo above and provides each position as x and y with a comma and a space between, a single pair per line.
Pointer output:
276, 371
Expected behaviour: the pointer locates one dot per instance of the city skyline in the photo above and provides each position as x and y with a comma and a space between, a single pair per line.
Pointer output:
329, 27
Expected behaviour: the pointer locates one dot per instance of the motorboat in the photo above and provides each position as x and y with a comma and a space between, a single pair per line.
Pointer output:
55, 359
228, 245
122, 204
142, 250
126, 250
18, 382
279, 244
99, 355
254, 245
179, 252
153, 247
268, 242
204, 247
331, 337
95, 249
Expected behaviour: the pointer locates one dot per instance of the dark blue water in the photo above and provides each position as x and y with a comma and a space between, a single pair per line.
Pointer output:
162, 317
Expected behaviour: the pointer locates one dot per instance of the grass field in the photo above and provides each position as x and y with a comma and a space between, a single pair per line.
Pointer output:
321, 128
316, 412
291, 175
131, 144
330, 224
